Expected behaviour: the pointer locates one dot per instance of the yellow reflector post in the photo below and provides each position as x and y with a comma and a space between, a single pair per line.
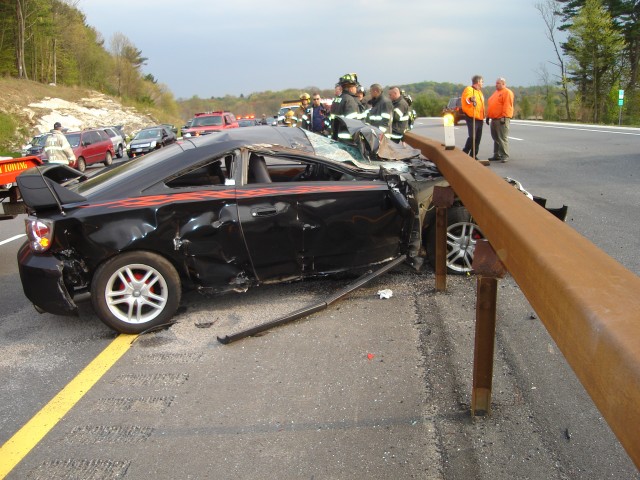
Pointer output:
449, 136
447, 119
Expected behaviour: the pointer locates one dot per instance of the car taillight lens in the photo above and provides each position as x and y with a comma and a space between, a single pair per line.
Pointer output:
40, 233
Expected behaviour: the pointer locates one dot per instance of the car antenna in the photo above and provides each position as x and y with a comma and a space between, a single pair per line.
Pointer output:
52, 191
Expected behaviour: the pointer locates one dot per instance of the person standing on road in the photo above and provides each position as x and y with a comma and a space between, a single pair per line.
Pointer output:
500, 113
473, 107
57, 147
301, 117
400, 120
381, 111
360, 93
348, 105
319, 116
336, 99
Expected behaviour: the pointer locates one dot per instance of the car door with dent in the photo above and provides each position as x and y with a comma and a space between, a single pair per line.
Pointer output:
207, 232
305, 225
269, 220
347, 224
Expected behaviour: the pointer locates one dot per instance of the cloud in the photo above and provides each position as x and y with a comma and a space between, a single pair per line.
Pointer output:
246, 46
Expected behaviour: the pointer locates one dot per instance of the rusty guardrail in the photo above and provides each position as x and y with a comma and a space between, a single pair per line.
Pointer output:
588, 302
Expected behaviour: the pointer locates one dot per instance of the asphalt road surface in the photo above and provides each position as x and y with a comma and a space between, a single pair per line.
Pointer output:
369, 388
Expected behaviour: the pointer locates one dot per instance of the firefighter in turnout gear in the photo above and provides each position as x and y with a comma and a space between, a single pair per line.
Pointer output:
348, 105
400, 122
381, 111
57, 147
301, 116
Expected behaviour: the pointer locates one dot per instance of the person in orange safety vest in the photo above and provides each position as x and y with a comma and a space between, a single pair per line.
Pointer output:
500, 112
473, 107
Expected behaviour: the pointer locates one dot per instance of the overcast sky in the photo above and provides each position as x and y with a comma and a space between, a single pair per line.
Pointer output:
212, 48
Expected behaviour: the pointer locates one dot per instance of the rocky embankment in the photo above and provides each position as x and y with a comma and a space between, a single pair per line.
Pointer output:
93, 111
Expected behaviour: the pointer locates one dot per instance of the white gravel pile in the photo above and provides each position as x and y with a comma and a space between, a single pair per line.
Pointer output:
95, 111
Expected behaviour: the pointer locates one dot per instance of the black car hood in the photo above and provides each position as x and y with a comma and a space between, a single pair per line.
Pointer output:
372, 142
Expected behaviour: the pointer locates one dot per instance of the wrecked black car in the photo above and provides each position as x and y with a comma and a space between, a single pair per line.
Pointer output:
220, 213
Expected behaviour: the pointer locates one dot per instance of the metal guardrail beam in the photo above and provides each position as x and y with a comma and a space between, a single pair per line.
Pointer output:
588, 302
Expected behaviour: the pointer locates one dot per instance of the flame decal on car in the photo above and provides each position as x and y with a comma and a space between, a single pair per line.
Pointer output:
242, 192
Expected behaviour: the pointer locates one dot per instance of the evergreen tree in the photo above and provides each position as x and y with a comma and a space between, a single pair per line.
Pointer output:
594, 45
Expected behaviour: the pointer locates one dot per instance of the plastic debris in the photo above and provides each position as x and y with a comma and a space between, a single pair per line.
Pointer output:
370, 356
386, 293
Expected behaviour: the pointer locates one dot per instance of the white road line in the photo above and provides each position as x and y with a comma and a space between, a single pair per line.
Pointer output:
15, 237
604, 129
514, 138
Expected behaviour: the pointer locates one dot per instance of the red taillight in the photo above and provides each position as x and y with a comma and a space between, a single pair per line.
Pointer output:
40, 233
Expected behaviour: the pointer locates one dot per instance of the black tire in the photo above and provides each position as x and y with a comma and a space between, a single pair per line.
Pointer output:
462, 235
108, 158
81, 165
120, 151
136, 291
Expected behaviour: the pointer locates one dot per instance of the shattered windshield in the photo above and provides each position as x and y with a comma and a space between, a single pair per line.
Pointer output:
338, 151
345, 153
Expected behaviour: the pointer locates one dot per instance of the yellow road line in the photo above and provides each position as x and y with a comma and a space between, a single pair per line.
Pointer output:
18, 446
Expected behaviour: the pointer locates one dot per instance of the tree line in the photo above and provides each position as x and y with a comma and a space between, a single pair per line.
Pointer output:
599, 57
49, 41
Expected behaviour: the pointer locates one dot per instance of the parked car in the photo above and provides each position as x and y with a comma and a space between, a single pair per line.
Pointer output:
90, 146
454, 107
170, 127
208, 122
117, 139
221, 213
35, 147
247, 121
150, 139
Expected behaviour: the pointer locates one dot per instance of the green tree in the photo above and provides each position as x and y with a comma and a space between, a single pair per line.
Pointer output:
128, 62
549, 11
594, 46
525, 107
428, 105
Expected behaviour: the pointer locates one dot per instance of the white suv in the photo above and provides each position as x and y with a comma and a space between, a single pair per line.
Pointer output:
117, 140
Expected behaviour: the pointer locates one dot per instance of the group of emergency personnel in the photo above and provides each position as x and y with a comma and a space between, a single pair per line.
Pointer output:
392, 114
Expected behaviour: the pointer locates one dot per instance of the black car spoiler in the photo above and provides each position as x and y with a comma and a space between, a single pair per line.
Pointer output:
40, 187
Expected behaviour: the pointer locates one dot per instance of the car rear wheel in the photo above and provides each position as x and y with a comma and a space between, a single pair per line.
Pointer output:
81, 164
462, 236
108, 158
136, 291
120, 151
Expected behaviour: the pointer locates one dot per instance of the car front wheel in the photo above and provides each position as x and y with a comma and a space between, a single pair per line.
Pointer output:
136, 291
462, 236
81, 164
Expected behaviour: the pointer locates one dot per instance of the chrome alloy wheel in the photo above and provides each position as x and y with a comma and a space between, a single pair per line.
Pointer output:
136, 293
461, 244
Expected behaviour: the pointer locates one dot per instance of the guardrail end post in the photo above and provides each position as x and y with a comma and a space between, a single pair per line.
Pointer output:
489, 269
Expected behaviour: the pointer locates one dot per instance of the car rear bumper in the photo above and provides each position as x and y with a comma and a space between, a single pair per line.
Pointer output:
43, 282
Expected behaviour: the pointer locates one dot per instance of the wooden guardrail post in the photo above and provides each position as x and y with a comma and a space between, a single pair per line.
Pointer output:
489, 269
442, 199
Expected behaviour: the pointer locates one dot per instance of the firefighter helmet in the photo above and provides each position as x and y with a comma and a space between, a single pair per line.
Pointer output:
348, 79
